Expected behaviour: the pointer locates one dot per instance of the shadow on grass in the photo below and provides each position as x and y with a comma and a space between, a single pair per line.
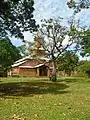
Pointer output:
31, 88
71, 79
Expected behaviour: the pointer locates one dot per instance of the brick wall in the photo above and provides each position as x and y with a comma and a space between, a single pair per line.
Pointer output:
27, 72
15, 71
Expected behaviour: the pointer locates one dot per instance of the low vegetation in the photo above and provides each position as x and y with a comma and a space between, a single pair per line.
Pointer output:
41, 99
83, 68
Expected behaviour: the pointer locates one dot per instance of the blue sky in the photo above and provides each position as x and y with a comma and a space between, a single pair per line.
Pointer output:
53, 8
46, 9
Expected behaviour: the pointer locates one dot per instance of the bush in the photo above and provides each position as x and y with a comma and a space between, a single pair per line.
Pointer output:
3, 74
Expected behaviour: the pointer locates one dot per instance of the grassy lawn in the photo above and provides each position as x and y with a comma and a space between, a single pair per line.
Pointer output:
41, 99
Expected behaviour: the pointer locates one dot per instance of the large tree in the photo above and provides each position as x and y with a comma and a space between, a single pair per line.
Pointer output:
55, 36
84, 33
16, 17
8, 54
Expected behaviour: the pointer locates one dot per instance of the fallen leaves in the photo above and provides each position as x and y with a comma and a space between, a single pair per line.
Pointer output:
17, 117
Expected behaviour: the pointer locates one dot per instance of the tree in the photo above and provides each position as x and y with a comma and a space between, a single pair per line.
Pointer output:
54, 35
78, 5
24, 50
85, 31
85, 43
16, 17
67, 62
84, 68
8, 54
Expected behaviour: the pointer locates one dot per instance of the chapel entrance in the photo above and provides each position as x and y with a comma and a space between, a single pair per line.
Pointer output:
43, 71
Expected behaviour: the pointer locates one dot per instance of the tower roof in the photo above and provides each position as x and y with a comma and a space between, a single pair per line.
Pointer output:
38, 49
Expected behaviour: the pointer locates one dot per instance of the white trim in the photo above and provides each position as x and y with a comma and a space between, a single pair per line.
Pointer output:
22, 59
31, 66
39, 65
43, 58
29, 57
41, 48
26, 67
17, 64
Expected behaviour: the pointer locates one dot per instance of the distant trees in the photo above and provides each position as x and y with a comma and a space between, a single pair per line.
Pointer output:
8, 54
67, 62
16, 17
83, 68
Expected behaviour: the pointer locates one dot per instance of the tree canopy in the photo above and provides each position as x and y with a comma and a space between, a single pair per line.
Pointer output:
84, 68
8, 54
24, 50
78, 5
16, 17
67, 62
84, 32
85, 43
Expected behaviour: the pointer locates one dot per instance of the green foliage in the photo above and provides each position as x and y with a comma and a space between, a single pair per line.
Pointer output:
16, 17
8, 54
67, 62
84, 68
23, 49
84, 34
82, 38
85, 42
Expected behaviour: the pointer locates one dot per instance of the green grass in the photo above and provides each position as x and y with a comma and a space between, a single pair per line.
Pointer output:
41, 99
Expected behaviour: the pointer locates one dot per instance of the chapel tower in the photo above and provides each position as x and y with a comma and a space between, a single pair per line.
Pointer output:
38, 50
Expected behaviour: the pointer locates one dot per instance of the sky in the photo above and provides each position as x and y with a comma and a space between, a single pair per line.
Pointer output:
53, 9
46, 9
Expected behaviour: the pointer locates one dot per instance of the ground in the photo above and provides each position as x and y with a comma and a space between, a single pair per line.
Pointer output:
41, 99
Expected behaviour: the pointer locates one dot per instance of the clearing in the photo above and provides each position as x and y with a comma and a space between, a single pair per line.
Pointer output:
40, 99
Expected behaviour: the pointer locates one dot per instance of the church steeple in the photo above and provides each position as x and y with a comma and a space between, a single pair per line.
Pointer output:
38, 49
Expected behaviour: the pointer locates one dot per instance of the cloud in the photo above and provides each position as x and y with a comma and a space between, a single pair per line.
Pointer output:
54, 8
51, 8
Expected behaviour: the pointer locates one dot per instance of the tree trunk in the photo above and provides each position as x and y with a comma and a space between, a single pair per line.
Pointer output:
53, 76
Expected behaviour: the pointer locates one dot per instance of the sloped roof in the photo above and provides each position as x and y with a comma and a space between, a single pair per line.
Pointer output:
39, 65
17, 64
23, 60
